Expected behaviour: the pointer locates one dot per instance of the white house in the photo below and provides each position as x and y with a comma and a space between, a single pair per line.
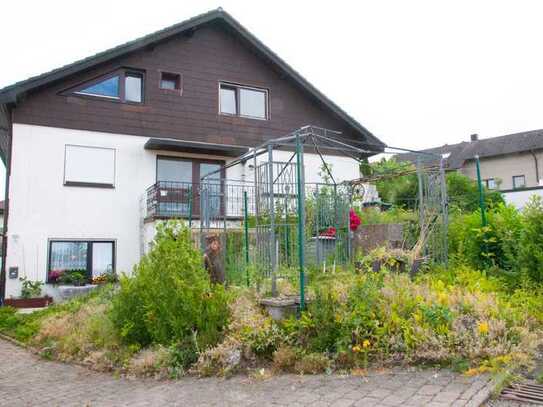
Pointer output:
86, 145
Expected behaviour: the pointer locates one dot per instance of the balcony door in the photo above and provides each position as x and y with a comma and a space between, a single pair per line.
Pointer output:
178, 181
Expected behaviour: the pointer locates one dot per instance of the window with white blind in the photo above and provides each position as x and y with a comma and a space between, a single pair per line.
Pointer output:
89, 166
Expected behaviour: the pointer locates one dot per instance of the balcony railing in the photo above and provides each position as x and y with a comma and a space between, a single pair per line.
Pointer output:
209, 200
172, 199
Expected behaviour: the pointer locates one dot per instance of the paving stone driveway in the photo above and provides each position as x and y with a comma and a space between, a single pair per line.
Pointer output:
26, 380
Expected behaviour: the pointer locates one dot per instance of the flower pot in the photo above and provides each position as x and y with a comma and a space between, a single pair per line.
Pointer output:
39, 302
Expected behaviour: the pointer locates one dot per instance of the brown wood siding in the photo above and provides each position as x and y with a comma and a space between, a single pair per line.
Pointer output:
211, 55
5, 125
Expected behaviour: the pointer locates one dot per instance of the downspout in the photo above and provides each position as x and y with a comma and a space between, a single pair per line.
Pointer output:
6, 209
536, 167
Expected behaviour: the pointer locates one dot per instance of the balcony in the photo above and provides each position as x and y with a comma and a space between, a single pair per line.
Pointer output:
168, 199
213, 200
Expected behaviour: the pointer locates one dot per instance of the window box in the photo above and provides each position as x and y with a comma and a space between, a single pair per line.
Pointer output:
39, 302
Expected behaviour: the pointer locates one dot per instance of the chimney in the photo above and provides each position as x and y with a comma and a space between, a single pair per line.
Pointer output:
474, 137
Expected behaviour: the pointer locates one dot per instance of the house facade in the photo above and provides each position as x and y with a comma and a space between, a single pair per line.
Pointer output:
96, 150
511, 164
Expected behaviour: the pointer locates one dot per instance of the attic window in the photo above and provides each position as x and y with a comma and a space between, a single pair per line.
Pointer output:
244, 101
133, 87
170, 81
107, 88
123, 86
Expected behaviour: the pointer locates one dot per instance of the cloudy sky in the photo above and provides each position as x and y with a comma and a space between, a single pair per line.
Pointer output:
415, 73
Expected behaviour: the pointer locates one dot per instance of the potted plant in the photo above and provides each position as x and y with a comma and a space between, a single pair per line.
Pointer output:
30, 295
74, 277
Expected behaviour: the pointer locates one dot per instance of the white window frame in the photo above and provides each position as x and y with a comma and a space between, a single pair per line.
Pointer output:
487, 183
68, 182
237, 88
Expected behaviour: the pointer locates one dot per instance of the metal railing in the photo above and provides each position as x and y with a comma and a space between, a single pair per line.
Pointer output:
168, 199
212, 200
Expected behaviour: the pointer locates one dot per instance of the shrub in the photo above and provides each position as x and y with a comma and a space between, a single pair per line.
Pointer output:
531, 240
284, 358
463, 193
222, 360
170, 297
30, 289
312, 363
492, 246
459, 317
9, 319
319, 327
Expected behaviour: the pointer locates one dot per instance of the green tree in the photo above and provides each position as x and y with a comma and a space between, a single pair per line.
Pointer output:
393, 187
463, 193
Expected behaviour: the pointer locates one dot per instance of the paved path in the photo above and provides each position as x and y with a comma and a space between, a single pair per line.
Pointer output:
26, 380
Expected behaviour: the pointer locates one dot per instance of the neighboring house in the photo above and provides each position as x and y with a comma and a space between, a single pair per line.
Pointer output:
83, 143
511, 164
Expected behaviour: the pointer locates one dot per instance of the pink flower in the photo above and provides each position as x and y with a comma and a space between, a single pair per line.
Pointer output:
55, 274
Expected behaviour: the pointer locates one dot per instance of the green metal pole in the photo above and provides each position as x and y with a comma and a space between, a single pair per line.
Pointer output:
481, 192
246, 222
301, 218
190, 208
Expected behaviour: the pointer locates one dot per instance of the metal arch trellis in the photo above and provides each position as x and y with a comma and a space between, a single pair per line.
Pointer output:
277, 218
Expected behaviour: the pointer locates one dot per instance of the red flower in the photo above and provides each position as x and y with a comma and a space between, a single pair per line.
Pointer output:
330, 232
354, 220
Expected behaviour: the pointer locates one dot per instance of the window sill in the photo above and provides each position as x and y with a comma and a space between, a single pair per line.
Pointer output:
88, 185
236, 116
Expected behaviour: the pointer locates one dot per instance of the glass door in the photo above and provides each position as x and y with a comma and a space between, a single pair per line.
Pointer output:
213, 187
178, 181
174, 183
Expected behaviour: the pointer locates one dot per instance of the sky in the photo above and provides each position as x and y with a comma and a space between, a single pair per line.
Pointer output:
415, 73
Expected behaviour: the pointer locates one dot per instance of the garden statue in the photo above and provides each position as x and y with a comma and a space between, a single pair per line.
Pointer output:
213, 259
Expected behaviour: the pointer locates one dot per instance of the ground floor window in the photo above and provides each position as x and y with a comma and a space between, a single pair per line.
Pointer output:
79, 262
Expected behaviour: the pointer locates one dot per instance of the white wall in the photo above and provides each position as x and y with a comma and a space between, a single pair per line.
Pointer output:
42, 208
520, 198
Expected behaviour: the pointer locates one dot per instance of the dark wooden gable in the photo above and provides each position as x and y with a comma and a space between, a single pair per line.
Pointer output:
204, 57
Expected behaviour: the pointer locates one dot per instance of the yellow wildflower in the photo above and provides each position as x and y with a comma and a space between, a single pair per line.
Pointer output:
471, 372
366, 343
483, 328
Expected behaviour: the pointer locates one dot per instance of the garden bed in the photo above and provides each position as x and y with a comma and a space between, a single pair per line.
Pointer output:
168, 320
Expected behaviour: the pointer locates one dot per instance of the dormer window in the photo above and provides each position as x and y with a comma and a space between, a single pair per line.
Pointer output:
123, 86
243, 101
